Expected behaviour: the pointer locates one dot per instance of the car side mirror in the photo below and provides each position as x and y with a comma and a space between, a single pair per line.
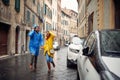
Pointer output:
85, 51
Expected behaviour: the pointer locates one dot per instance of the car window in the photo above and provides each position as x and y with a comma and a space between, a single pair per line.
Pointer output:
90, 42
111, 41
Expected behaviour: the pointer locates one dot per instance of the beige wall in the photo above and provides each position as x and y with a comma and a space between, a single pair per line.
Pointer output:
106, 12
73, 22
82, 21
103, 15
65, 28
112, 13
59, 29
73, 26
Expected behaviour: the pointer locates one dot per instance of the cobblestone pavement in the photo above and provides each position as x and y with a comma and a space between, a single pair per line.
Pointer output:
17, 68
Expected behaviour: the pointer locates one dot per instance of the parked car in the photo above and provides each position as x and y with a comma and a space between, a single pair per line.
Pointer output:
67, 43
100, 59
73, 51
56, 45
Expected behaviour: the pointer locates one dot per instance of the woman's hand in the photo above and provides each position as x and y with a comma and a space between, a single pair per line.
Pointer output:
42, 47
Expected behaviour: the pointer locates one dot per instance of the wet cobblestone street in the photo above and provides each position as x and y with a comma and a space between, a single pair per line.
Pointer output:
17, 68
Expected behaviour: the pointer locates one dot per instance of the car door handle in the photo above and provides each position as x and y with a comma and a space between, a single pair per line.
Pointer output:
87, 70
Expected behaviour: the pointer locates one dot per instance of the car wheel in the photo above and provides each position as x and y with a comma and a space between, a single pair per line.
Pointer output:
68, 63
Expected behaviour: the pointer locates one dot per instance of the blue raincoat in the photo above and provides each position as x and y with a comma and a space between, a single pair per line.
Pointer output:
36, 40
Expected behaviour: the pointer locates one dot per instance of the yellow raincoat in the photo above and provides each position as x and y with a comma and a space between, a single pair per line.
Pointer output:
49, 45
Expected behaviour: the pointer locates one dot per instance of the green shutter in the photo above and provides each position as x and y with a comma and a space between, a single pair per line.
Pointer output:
17, 5
38, 9
33, 19
6, 2
28, 16
45, 8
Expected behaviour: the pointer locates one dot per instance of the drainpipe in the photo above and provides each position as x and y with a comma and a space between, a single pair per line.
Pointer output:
43, 20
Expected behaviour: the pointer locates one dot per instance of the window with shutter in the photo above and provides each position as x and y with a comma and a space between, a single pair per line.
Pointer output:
45, 9
28, 17
17, 5
33, 19
6, 2
38, 9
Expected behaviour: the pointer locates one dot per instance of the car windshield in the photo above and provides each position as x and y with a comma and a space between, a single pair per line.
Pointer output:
111, 41
77, 41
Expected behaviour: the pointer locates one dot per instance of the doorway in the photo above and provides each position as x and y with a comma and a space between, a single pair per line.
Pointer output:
4, 28
27, 39
16, 39
117, 14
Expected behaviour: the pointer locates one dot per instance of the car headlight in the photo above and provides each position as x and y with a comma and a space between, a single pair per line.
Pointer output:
74, 50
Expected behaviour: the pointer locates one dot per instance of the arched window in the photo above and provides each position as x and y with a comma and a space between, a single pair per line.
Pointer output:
6, 2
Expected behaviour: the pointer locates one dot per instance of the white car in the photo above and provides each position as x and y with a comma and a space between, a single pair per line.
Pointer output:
74, 49
100, 59
67, 43
56, 45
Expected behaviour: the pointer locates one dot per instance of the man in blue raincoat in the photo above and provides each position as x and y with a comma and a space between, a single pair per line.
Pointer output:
36, 41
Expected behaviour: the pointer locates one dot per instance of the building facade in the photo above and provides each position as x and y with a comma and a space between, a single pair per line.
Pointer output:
16, 20
65, 24
47, 15
59, 29
73, 22
33, 14
82, 20
54, 17
68, 23
97, 14
11, 14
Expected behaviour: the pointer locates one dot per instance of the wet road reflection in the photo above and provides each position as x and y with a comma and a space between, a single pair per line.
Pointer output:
17, 68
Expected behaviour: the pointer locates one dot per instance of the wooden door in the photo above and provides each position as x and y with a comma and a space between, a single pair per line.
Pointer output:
16, 39
3, 39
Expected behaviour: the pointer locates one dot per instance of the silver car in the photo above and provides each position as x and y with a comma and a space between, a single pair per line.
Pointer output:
100, 59
56, 45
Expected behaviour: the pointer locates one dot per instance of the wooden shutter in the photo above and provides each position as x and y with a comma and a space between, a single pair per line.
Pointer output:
17, 5
6, 2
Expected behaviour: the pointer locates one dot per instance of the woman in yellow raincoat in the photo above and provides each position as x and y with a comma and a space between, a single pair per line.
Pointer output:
48, 46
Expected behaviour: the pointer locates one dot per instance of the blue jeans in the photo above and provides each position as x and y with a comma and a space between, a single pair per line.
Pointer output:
48, 58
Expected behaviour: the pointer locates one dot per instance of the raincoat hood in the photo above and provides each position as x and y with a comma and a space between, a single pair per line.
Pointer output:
35, 25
